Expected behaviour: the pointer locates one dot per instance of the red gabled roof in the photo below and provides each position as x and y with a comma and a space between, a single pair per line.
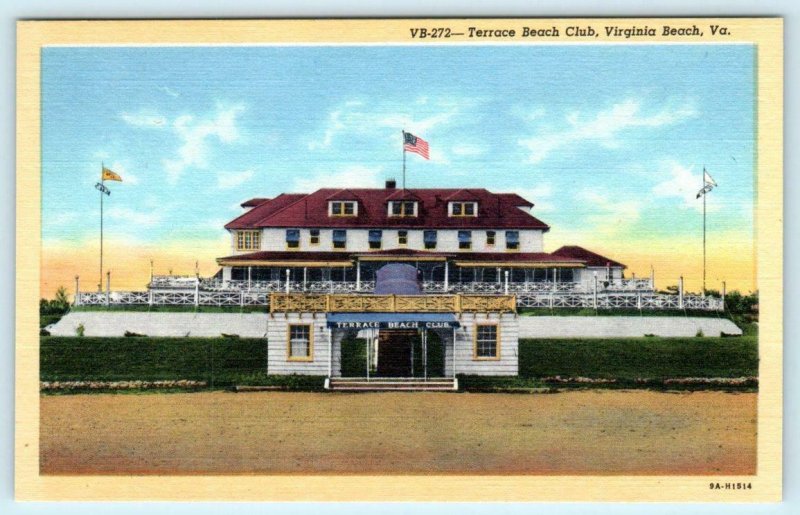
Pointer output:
495, 211
462, 194
587, 256
265, 209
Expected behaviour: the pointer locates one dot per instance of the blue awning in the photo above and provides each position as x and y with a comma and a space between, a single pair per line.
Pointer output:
375, 235
464, 236
512, 236
391, 320
292, 234
429, 236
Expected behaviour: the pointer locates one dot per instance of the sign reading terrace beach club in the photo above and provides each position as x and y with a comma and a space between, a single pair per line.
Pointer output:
391, 321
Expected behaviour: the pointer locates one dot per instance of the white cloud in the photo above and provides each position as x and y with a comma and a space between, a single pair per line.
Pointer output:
194, 134
604, 128
138, 218
682, 183
609, 214
145, 119
169, 91
355, 176
228, 180
354, 118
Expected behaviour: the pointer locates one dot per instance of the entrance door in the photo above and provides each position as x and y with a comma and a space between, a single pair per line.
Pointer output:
394, 352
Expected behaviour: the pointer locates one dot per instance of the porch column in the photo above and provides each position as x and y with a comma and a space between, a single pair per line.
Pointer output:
358, 275
330, 352
108, 287
77, 300
151, 271
425, 354
454, 353
446, 274
499, 275
305, 277
680, 293
506, 285
249, 276
595, 290
555, 288
652, 278
288, 271
197, 291
368, 354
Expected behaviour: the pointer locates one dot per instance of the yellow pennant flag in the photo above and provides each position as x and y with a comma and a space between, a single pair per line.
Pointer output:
108, 175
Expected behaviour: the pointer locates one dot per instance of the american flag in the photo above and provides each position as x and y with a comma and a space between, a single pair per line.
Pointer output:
414, 144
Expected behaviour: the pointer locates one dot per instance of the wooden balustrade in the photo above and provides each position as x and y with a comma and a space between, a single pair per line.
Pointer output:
311, 303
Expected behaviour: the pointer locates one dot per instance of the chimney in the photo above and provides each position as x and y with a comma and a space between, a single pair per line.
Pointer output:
391, 184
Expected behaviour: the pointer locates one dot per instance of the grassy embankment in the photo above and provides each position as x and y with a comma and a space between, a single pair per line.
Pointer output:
224, 362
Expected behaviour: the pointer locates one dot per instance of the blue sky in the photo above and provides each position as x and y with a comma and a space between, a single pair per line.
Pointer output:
607, 140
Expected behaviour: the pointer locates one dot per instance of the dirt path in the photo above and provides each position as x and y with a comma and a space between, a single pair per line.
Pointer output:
579, 432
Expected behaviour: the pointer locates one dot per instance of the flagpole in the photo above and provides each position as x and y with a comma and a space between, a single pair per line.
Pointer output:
404, 160
704, 232
100, 284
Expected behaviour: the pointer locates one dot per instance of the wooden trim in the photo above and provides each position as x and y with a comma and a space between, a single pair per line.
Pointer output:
401, 258
310, 356
322, 264
517, 264
475, 356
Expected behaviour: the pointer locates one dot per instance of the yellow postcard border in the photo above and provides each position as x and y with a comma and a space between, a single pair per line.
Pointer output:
765, 33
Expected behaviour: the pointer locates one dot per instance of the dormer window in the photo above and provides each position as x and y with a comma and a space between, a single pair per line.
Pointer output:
403, 208
463, 209
342, 208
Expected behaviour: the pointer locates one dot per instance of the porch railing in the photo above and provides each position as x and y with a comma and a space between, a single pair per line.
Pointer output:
551, 300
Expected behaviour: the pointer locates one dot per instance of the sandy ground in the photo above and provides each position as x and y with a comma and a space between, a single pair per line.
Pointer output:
578, 432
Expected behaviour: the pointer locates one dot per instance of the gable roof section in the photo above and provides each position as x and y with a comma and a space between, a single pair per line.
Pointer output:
250, 219
495, 211
253, 202
463, 195
587, 256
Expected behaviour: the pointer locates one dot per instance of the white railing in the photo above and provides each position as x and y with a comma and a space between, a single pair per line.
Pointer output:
609, 300
550, 300
173, 281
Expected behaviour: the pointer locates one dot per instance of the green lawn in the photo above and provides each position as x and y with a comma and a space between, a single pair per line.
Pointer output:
223, 362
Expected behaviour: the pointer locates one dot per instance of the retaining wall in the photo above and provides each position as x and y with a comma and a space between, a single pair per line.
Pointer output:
621, 326
115, 323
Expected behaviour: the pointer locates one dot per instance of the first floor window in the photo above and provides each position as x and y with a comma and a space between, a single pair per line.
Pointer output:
375, 236
512, 240
429, 238
402, 237
248, 240
292, 238
339, 238
465, 240
300, 341
486, 344
314, 236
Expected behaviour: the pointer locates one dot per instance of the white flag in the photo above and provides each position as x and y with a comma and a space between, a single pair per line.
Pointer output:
708, 184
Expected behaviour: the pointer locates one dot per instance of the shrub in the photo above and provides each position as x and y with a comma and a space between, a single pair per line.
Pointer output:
80, 330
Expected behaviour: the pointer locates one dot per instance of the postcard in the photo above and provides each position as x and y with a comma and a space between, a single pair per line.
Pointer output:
400, 259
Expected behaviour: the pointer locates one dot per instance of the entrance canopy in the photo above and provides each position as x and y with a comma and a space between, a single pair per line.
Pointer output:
391, 320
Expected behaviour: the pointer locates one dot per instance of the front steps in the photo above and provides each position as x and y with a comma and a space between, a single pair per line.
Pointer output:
391, 384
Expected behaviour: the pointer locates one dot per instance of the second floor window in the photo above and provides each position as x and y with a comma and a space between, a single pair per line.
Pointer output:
339, 238
512, 240
248, 240
402, 208
292, 238
490, 235
343, 208
375, 236
402, 237
313, 236
465, 240
463, 209
429, 239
